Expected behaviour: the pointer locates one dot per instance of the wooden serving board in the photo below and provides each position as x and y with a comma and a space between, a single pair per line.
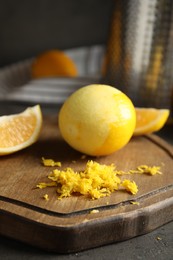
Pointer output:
67, 225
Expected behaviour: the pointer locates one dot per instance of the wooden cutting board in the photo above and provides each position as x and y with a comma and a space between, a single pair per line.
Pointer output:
67, 225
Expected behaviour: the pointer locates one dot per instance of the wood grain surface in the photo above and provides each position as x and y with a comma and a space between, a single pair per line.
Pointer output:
67, 225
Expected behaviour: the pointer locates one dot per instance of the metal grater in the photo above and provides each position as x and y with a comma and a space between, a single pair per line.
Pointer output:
139, 57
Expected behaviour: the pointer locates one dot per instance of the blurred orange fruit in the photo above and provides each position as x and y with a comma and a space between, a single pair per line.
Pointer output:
97, 120
19, 131
149, 120
53, 63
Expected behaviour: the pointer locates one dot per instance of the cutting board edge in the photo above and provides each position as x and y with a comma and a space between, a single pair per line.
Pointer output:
86, 235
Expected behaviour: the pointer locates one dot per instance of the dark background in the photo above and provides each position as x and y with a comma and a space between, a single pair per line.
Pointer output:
30, 27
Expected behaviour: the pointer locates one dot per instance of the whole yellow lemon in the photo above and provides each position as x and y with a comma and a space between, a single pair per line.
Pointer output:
97, 120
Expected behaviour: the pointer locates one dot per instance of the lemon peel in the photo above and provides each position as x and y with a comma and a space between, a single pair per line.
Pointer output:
97, 120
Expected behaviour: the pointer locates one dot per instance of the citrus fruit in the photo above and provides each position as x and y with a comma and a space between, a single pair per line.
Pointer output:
53, 63
20, 130
97, 120
149, 120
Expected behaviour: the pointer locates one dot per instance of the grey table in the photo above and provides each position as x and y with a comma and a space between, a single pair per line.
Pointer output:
155, 245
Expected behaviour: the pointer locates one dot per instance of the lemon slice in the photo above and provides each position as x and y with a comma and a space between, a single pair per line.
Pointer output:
149, 120
19, 131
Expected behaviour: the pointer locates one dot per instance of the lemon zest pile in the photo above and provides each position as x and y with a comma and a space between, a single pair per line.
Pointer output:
50, 162
134, 202
130, 186
158, 238
94, 211
46, 197
144, 169
96, 181
43, 185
